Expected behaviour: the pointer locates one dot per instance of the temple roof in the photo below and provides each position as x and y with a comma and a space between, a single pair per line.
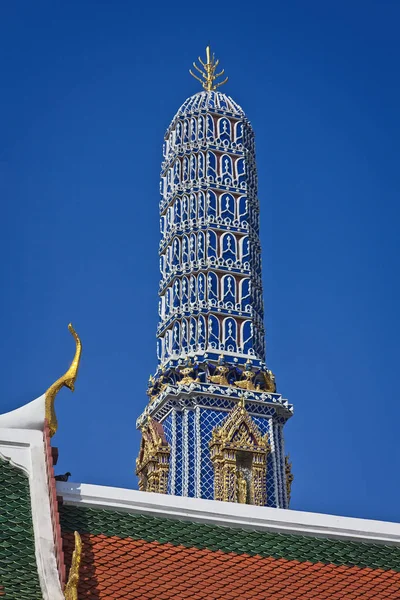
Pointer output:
148, 546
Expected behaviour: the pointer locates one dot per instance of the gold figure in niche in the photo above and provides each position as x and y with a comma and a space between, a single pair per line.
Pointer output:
242, 488
189, 374
220, 373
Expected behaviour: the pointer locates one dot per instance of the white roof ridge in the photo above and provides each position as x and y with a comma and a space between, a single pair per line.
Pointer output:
229, 514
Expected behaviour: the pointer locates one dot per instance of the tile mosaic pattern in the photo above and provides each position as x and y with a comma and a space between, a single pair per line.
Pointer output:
19, 578
135, 556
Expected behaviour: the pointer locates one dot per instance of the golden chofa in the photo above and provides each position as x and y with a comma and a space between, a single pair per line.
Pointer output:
67, 380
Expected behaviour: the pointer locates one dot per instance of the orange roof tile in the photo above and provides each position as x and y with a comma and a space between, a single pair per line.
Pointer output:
124, 568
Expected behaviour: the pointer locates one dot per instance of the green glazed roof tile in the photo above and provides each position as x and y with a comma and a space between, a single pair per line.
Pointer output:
195, 535
18, 570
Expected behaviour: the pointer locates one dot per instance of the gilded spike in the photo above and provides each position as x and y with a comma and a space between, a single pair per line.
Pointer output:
67, 380
71, 587
209, 75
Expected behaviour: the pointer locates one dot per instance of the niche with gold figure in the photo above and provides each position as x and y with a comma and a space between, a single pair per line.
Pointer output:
239, 457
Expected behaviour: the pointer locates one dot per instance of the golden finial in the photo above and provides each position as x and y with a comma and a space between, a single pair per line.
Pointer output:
68, 380
209, 76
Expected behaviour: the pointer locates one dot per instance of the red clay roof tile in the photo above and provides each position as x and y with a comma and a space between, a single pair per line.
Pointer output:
122, 568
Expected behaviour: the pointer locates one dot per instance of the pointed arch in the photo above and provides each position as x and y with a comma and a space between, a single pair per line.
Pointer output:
193, 206
228, 292
185, 208
228, 246
184, 335
227, 207
184, 292
211, 243
246, 335
211, 204
200, 128
192, 334
193, 129
213, 332
201, 333
239, 132
245, 294
193, 167
226, 169
240, 169
200, 165
230, 334
185, 249
242, 209
212, 288
239, 457
210, 127
192, 247
176, 302
176, 337
185, 169
211, 165
200, 245
224, 129
152, 464
201, 287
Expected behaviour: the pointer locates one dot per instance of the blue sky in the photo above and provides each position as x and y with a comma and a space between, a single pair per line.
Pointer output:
88, 89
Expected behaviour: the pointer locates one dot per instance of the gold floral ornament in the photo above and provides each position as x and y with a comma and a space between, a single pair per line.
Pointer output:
239, 457
209, 75
71, 587
289, 478
67, 380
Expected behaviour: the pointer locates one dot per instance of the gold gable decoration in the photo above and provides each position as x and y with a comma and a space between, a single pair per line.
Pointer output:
152, 464
289, 478
71, 587
239, 457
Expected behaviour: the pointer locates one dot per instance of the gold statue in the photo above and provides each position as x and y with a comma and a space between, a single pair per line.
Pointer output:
247, 382
71, 587
220, 373
242, 488
67, 380
209, 76
189, 375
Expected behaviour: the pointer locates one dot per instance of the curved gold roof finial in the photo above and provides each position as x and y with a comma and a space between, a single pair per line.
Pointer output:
67, 380
209, 75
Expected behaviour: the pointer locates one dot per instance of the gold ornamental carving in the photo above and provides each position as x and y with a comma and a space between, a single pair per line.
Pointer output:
71, 587
152, 464
208, 76
289, 478
67, 380
239, 457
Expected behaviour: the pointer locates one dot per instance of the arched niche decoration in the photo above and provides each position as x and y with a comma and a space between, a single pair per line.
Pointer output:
239, 457
152, 464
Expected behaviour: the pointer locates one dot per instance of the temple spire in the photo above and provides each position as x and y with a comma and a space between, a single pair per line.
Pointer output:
209, 75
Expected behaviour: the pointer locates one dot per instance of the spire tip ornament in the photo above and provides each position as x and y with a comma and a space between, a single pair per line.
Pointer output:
209, 75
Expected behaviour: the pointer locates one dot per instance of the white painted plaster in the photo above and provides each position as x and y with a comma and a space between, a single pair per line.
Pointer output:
24, 448
229, 514
29, 416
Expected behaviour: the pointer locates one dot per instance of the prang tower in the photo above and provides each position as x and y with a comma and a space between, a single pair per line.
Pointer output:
213, 427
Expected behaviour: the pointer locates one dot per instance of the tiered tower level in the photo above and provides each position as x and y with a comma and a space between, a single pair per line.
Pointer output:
213, 426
